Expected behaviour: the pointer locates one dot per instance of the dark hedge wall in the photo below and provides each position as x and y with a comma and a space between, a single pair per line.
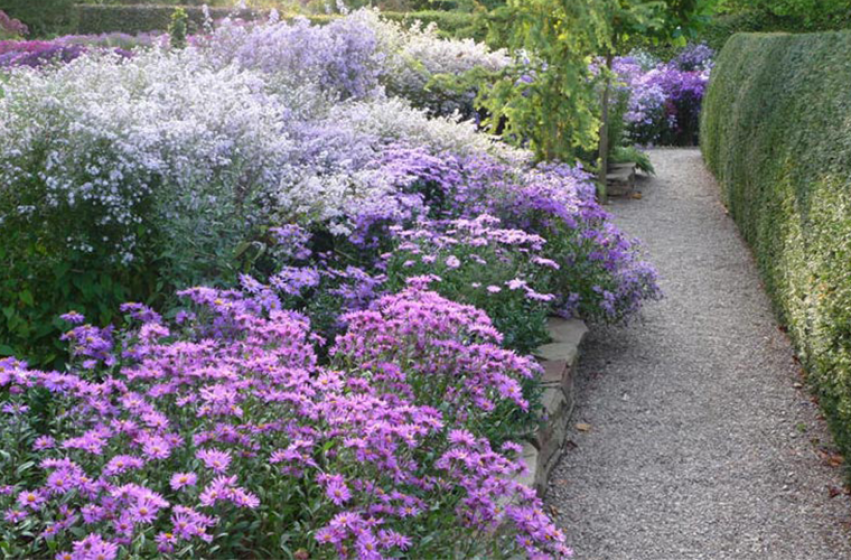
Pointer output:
94, 19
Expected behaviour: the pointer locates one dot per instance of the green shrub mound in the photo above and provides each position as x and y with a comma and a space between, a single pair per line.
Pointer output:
776, 132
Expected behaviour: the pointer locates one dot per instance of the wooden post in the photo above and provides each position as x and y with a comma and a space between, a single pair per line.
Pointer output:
604, 134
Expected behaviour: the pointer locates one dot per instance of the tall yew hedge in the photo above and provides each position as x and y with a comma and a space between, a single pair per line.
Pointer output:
776, 132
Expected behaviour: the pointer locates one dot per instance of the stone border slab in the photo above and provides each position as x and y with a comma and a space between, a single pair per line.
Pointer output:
559, 359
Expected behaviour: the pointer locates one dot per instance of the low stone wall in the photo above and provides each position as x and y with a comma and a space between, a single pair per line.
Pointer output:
559, 359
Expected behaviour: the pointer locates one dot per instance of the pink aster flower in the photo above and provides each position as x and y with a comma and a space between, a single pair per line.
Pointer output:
44, 442
31, 499
462, 437
329, 535
165, 542
215, 460
242, 498
61, 481
14, 515
338, 492
219, 489
95, 547
157, 448
145, 511
181, 480
121, 464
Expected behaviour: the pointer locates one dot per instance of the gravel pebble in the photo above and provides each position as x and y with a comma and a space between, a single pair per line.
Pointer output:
701, 443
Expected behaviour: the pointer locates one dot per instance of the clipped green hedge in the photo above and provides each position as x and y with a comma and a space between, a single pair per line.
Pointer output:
96, 19
776, 132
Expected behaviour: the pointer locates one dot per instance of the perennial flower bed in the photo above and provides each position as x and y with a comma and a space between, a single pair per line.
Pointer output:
219, 433
351, 381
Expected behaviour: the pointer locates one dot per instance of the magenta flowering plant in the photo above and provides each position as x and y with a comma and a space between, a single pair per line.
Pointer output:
218, 434
441, 353
475, 261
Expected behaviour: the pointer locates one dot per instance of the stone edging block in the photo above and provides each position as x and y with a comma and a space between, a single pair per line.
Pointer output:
559, 359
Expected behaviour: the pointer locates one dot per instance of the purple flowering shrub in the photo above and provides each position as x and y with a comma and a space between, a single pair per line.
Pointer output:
343, 58
317, 276
555, 249
665, 98
36, 53
219, 434
601, 274
64, 49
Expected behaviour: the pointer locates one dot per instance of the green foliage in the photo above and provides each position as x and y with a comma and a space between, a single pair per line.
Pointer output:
36, 286
618, 108
631, 154
43, 17
776, 133
548, 102
177, 29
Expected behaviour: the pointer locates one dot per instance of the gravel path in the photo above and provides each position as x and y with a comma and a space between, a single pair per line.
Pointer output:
700, 444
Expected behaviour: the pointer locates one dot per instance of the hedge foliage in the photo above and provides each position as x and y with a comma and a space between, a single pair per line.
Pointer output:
776, 132
95, 19
720, 28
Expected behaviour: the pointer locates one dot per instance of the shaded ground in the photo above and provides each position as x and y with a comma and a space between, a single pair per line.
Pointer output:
701, 445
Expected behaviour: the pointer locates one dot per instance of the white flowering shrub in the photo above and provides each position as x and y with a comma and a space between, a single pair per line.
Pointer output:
424, 55
119, 142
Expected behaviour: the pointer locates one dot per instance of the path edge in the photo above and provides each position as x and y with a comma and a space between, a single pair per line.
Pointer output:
559, 359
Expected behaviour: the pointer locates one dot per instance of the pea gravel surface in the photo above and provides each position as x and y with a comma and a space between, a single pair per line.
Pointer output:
700, 442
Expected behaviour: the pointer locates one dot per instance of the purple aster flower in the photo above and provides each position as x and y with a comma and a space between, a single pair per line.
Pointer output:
73, 318
44, 442
95, 547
